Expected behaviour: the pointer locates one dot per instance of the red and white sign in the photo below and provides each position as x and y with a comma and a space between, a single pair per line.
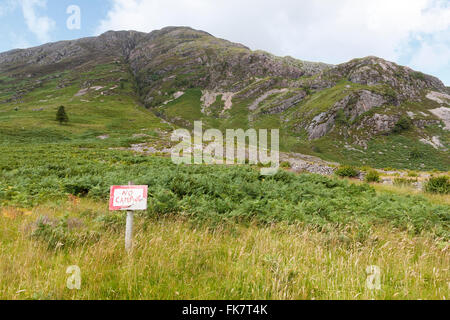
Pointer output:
128, 198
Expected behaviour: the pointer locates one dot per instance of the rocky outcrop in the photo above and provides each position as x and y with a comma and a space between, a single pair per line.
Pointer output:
353, 106
321, 125
406, 83
443, 113
281, 105
69, 54
267, 94
379, 123
439, 97
435, 142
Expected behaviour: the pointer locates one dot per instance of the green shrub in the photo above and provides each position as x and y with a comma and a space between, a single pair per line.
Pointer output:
61, 115
316, 149
418, 75
372, 176
164, 202
347, 172
413, 174
341, 118
438, 185
403, 124
59, 234
416, 154
30, 175
391, 94
286, 165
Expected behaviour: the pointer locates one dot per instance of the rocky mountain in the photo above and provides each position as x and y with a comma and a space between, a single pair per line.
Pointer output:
365, 111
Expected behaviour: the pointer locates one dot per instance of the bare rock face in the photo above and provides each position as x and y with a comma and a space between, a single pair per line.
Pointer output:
353, 106
193, 58
321, 125
379, 123
283, 105
71, 53
359, 103
366, 101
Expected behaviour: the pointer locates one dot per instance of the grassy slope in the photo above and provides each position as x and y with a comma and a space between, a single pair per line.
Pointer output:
90, 115
173, 260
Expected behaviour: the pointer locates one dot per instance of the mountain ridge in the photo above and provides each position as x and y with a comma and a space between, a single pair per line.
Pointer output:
181, 74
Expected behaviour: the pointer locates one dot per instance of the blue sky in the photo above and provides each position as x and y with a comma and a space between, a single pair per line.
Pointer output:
415, 33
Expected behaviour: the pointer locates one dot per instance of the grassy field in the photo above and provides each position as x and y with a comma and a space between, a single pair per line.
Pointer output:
175, 259
211, 232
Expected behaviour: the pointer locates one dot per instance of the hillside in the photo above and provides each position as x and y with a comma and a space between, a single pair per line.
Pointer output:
364, 112
220, 231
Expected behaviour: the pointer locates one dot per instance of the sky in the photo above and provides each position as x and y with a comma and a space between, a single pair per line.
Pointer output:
415, 33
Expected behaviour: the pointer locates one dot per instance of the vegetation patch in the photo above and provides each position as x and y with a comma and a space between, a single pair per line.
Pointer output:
438, 185
347, 172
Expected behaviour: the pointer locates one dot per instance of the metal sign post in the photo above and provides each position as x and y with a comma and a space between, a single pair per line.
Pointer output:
129, 228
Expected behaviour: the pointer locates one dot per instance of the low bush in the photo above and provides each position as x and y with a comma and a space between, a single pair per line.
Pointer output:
286, 165
413, 174
347, 172
372, 176
59, 234
403, 124
416, 154
439, 185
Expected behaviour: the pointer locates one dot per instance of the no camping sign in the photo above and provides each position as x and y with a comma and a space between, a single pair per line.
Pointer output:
128, 198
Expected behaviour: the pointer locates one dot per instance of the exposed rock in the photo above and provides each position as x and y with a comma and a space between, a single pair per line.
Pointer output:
422, 123
379, 123
321, 125
353, 106
435, 142
439, 97
407, 83
227, 98
140, 135
444, 114
282, 104
411, 114
365, 101
178, 94
82, 92
267, 94
209, 98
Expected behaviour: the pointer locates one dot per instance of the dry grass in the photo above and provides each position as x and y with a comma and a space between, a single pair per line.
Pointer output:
406, 190
172, 259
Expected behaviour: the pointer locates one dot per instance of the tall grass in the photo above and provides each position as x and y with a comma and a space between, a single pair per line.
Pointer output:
174, 259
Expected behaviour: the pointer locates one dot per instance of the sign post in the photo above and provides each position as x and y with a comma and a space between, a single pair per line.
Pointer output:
128, 198
129, 228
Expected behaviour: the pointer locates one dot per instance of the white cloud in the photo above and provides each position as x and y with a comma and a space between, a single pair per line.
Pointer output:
433, 55
40, 26
7, 6
18, 41
321, 30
